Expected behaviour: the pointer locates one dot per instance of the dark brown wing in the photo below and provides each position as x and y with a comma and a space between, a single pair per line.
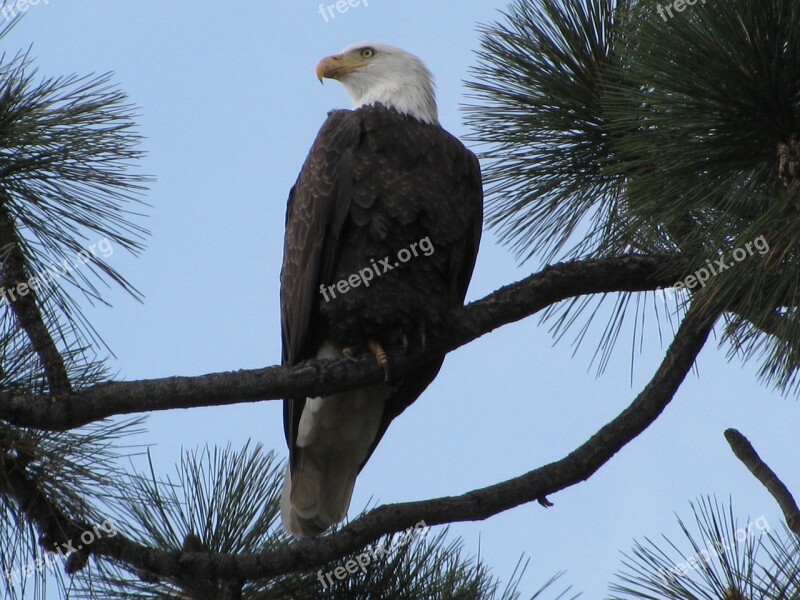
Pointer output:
317, 206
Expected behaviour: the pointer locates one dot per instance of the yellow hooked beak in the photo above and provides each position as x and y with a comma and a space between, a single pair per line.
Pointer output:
334, 67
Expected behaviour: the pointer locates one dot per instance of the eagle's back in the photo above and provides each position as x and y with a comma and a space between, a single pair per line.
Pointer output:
415, 201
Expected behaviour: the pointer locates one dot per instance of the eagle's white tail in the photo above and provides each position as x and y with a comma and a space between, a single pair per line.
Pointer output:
333, 439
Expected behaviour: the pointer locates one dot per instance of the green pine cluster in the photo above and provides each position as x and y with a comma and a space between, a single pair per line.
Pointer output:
609, 127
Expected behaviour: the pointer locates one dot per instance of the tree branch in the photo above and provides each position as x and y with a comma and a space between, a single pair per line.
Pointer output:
509, 304
479, 504
54, 526
22, 299
745, 452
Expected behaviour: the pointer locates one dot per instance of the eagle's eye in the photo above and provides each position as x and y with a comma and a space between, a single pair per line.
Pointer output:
367, 52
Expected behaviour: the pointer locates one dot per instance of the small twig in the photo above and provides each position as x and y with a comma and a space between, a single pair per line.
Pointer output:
745, 452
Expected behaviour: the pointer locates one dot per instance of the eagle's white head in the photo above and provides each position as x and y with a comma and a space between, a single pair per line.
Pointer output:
374, 73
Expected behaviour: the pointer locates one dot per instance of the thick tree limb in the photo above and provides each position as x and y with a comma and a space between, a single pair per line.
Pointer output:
745, 452
479, 504
323, 377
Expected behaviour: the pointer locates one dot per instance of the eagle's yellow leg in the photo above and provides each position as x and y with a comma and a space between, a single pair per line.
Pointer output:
351, 353
380, 356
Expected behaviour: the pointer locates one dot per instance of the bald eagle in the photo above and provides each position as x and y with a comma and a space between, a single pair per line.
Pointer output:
382, 231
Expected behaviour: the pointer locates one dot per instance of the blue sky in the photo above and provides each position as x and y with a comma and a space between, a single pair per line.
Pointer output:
229, 106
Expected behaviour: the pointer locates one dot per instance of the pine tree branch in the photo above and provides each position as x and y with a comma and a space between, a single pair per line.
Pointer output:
478, 504
55, 527
745, 452
324, 377
21, 297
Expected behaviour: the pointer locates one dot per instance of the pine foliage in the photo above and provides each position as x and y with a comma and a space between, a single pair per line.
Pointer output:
613, 127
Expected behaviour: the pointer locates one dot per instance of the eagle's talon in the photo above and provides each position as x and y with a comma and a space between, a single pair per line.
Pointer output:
544, 502
382, 359
350, 353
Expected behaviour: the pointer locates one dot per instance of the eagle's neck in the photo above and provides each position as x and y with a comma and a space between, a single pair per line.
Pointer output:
414, 97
